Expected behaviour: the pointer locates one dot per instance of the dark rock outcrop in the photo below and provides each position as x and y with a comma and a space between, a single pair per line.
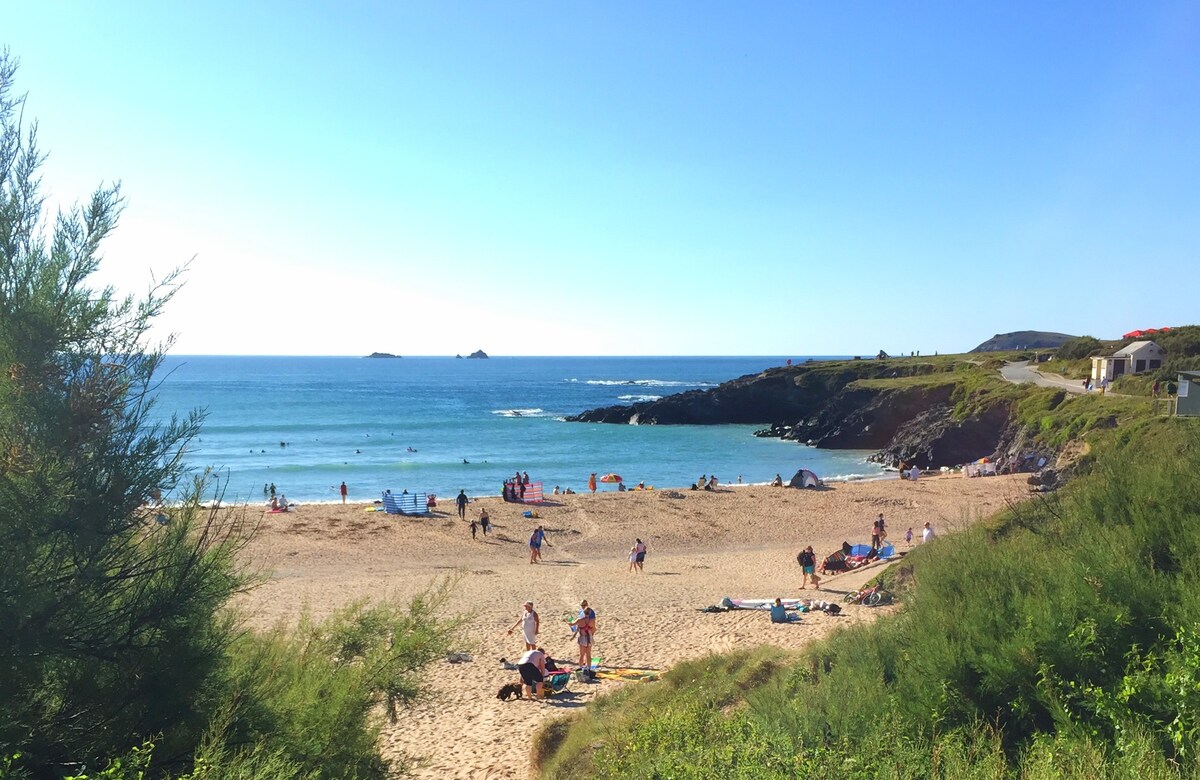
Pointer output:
825, 406
478, 354
777, 394
382, 355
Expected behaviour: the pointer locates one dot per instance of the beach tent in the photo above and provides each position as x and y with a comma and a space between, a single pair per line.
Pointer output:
864, 550
805, 479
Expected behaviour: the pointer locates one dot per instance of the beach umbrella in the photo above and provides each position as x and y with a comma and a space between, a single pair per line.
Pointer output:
611, 478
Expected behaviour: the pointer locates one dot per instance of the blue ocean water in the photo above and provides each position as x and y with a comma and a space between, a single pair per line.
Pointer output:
410, 423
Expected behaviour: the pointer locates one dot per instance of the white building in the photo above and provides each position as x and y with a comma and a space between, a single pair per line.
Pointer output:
1134, 358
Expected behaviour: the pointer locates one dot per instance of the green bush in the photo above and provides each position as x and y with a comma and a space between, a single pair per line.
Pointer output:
312, 694
119, 656
1079, 347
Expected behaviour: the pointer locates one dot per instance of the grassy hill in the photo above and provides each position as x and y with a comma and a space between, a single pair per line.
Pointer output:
1023, 339
1058, 640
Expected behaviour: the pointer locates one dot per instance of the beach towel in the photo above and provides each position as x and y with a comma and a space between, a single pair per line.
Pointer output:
762, 604
835, 562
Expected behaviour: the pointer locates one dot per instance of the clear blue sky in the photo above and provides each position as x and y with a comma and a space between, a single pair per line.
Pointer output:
631, 178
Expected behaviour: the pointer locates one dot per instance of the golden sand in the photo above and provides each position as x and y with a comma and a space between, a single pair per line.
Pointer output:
737, 542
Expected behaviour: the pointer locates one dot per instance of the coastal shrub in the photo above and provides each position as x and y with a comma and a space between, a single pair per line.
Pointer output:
1060, 642
313, 693
112, 621
1079, 347
119, 655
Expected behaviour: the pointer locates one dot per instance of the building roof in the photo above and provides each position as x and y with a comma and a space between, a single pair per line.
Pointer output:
1134, 346
1190, 374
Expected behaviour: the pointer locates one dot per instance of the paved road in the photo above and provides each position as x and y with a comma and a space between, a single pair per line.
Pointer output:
1021, 373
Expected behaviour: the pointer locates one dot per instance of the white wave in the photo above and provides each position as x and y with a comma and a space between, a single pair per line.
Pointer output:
857, 477
647, 383
519, 412
638, 397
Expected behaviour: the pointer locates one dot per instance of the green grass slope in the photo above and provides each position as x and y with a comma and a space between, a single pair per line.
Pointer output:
1062, 639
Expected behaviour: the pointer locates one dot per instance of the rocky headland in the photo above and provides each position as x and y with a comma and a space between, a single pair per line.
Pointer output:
942, 412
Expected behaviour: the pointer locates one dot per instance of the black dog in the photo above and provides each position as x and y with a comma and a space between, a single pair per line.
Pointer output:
510, 690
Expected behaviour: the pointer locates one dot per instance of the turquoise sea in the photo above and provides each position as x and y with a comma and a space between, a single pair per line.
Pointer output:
308, 423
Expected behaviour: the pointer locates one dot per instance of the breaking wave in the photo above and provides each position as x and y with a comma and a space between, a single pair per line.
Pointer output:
638, 398
520, 412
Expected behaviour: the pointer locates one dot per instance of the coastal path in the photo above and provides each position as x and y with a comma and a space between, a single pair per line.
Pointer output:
1022, 373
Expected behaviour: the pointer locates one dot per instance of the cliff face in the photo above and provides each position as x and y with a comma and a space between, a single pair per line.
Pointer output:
824, 407
914, 426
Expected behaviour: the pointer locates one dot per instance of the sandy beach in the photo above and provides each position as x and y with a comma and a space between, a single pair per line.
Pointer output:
738, 542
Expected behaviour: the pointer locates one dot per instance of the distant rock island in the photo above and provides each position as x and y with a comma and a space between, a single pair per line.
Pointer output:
382, 355
478, 354
1023, 339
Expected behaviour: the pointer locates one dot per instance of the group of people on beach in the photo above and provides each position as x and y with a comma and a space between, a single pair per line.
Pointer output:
514, 489
706, 483
534, 662
277, 503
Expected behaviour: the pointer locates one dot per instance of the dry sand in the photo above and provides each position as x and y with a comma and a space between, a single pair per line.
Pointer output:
738, 542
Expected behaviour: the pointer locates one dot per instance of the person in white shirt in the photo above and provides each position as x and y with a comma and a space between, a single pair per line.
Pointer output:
927, 534
532, 666
530, 624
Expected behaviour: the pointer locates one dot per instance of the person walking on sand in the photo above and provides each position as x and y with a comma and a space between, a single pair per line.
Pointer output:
908, 536
927, 534
343, 491
877, 532
536, 539
485, 522
461, 503
808, 564
592, 482
640, 550
474, 526
633, 557
584, 627
530, 624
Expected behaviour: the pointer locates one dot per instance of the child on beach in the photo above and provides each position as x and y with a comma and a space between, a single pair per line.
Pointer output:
584, 627
908, 536
633, 557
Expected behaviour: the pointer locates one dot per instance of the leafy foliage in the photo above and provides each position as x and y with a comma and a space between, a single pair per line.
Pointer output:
112, 622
